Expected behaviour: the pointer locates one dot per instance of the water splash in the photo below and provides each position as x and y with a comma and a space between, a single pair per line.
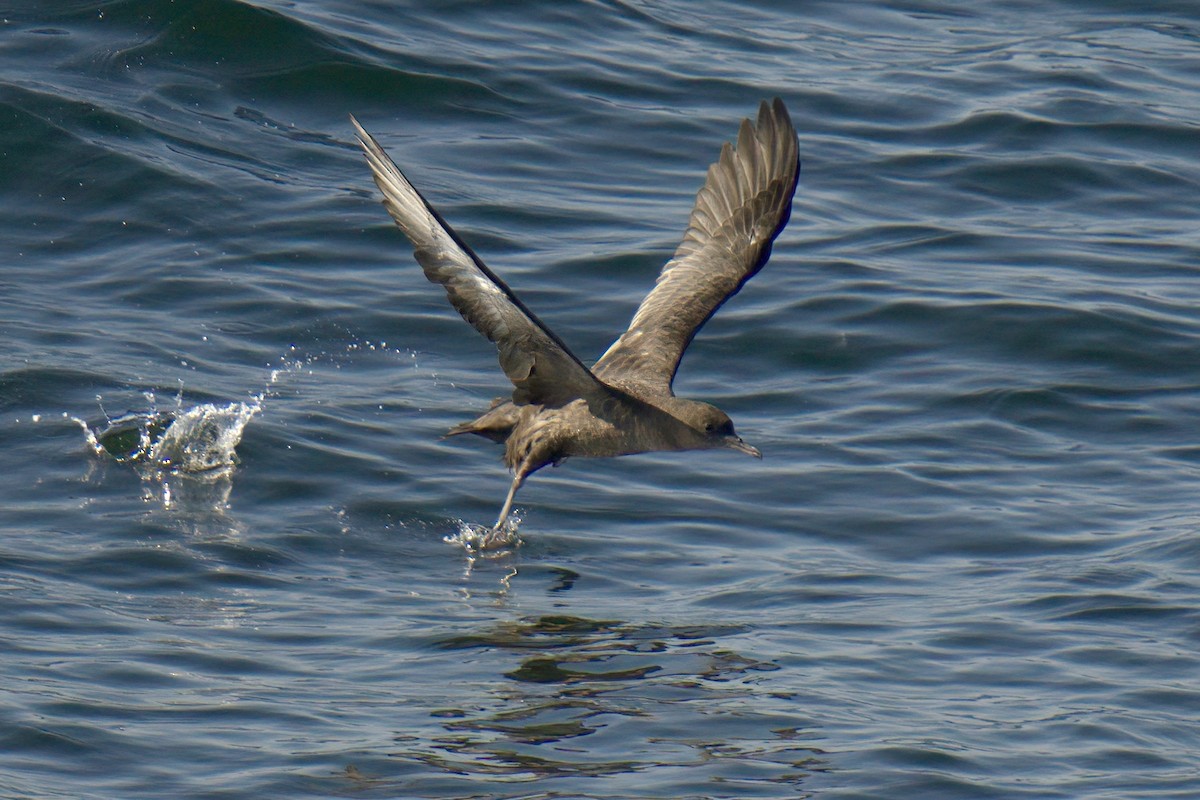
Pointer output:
177, 448
128, 438
184, 455
203, 438
479, 539
194, 440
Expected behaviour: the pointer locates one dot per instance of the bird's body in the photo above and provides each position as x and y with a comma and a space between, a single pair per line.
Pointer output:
560, 408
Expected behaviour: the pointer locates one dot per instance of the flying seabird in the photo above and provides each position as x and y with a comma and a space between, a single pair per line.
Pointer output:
624, 404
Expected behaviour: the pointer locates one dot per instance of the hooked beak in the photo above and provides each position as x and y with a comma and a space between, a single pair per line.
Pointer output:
737, 444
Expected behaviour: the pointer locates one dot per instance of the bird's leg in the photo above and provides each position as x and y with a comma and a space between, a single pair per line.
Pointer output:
497, 535
518, 479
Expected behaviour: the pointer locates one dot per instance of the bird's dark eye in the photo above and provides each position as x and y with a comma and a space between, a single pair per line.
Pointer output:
709, 427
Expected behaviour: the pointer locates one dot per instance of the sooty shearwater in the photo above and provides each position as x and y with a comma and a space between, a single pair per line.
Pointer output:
623, 404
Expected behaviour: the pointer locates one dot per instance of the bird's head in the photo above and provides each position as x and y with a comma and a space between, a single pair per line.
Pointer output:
715, 426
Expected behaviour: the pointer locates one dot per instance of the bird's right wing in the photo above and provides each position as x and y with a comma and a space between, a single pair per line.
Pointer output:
742, 207
542, 369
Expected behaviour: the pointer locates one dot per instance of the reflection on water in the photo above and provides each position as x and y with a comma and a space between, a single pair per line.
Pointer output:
205, 491
667, 697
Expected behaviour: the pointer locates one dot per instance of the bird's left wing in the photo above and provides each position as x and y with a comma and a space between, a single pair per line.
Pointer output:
542, 369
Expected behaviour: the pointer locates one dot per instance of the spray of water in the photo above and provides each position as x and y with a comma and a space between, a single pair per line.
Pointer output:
199, 439
182, 445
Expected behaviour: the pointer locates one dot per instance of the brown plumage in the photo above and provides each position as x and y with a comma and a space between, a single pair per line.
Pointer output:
624, 403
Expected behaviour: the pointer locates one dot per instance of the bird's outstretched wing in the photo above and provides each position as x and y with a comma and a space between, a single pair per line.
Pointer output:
542, 369
744, 204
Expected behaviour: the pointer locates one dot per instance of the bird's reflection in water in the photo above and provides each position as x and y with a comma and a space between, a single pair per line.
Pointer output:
604, 698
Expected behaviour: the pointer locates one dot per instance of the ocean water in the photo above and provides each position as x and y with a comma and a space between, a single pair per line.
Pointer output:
968, 565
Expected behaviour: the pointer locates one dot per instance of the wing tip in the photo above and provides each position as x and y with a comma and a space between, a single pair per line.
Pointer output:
361, 134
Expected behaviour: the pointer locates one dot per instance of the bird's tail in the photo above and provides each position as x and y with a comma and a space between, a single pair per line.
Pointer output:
495, 424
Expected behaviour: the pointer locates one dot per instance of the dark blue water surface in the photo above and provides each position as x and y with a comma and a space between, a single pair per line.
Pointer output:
968, 565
